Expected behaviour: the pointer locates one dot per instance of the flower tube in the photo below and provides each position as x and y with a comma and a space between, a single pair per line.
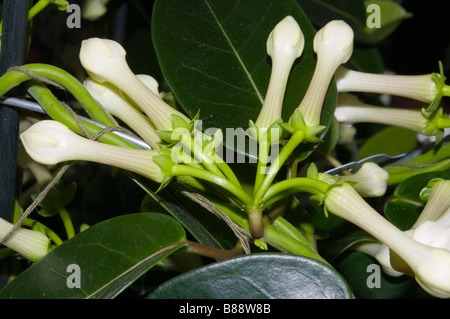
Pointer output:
104, 61
429, 265
30, 244
419, 87
284, 45
115, 103
438, 202
351, 110
50, 142
371, 180
334, 46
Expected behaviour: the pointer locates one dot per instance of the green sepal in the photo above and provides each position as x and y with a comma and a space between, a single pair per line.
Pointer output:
179, 122
439, 80
313, 171
432, 128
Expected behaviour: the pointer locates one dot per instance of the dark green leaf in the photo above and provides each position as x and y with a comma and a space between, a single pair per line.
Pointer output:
111, 255
257, 276
405, 206
390, 141
213, 56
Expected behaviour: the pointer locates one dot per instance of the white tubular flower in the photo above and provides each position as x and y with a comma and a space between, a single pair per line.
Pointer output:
104, 60
438, 202
30, 244
284, 45
50, 142
350, 109
371, 180
433, 233
380, 252
418, 87
334, 46
149, 82
113, 101
429, 265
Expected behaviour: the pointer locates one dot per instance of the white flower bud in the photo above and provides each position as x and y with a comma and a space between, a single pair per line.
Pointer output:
104, 61
350, 109
50, 142
429, 265
284, 45
113, 101
334, 46
93, 9
418, 87
30, 244
371, 180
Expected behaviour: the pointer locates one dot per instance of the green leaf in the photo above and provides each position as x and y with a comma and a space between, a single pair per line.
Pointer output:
355, 269
356, 13
390, 141
213, 56
391, 15
404, 207
257, 276
111, 255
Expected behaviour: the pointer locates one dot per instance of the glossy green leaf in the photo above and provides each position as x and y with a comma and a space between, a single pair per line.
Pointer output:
405, 205
257, 276
390, 13
370, 282
356, 13
213, 56
110, 255
390, 141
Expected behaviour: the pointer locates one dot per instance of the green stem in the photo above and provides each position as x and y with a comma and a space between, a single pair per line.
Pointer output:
227, 171
291, 186
443, 122
63, 78
263, 156
56, 111
50, 233
290, 146
283, 225
67, 221
182, 170
446, 90
197, 150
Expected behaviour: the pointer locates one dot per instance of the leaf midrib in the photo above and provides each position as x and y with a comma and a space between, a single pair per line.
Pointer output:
235, 52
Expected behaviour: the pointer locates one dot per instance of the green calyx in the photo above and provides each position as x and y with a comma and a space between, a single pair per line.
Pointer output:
433, 126
297, 123
441, 88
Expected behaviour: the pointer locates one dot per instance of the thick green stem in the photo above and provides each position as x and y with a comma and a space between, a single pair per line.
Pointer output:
211, 252
239, 193
55, 110
291, 186
263, 156
65, 79
287, 150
